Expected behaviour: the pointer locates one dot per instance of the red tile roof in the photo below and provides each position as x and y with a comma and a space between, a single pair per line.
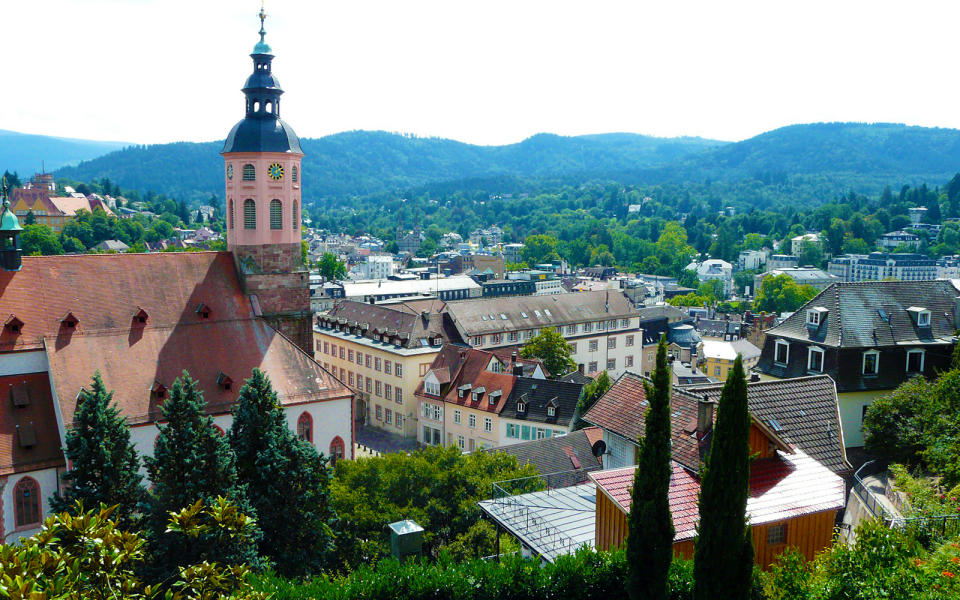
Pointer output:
784, 487
473, 370
39, 414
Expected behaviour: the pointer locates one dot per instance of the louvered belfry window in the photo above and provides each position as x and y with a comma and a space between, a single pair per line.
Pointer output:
249, 173
276, 214
249, 214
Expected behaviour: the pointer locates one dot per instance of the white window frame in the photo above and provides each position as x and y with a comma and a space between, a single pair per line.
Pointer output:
813, 317
810, 352
923, 318
923, 358
551, 411
456, 417
472, 421
776, 348
487, 424
876, 364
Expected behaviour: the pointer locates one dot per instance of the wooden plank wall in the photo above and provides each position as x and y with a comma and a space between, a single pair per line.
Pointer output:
760, 444
611, 525
809, 534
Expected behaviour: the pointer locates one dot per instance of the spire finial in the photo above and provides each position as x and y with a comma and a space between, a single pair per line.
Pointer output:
3, 186
263, 17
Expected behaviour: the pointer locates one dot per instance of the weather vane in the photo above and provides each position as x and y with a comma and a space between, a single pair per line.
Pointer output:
263, 17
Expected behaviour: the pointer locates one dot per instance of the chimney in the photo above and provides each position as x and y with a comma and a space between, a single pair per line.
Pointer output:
704, 416
754, 377
516, 367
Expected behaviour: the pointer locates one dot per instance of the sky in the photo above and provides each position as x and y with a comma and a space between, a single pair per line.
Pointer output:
492, 72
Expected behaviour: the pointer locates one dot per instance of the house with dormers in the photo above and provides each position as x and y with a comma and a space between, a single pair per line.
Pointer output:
869, 337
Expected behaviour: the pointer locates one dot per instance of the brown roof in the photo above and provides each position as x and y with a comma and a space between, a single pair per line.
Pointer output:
38, 414
410, 321
104, 292
456, 366
69, 205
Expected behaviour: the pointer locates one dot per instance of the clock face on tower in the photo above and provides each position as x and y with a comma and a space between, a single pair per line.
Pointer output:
275, 171
230, 171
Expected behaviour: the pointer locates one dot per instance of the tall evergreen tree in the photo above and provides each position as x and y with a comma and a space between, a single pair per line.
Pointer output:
192, 461
287, 482
723, 549
650, 526
104, 465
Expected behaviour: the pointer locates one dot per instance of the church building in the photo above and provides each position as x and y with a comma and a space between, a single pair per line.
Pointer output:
142, 319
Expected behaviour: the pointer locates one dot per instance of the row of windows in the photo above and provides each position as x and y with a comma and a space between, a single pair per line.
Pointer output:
305, 433
472, 420
529, 432
611, 364
515, 336
249, 173
361, 359
388, 417
276, 214
371, 385
870, 361
431, 411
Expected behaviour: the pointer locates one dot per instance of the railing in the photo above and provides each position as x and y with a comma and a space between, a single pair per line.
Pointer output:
869, 498
927, 529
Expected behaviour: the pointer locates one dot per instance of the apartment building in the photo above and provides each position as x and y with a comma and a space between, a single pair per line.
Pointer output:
381, 351
602, 327
878, 266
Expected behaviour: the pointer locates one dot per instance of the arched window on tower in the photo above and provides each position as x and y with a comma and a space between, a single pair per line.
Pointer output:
296, 173
295, 220
26, 502
276, 214
336, 450
249, 173
269, 106
249, 214
305, 428
231, 213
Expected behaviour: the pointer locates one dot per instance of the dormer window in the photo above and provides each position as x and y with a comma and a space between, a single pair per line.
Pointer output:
69, 321
521, 407
816, 316
13, 324
158, 392
203, 311
463, 389
551, 411
224, 381
140, 316
477, 394
781, 352
920, 315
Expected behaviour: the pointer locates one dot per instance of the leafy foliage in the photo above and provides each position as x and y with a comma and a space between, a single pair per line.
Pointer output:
723, 548
287, 482
104, 465
438, 487
551, 348
781, 293
331, 268
593, 391
86, 555
650, 526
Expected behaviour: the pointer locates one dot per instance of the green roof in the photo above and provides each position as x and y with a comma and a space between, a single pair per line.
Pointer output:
9, 221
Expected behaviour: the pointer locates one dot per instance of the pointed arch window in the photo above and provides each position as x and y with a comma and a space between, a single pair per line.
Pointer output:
249, 214
305, 428
295, 173
295, 220
26, 502
337, 450
231, 213
249, 172
276, 214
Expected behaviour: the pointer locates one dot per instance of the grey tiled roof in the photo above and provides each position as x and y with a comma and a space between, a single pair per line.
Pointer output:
537, 394
874, 314
559, 453
803, 411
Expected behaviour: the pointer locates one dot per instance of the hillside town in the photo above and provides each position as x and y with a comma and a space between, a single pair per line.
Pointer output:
249, 393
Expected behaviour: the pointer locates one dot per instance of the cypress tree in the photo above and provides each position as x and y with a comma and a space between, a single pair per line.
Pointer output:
723, 549
104, 465
192, 461
287, 482
650, 526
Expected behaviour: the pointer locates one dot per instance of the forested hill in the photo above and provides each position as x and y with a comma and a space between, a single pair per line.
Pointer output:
822, 159
372, 162
26, 153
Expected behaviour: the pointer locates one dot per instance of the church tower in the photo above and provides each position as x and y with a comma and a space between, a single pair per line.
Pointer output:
262, 174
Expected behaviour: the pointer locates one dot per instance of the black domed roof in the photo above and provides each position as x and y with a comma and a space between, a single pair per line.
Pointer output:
259, 134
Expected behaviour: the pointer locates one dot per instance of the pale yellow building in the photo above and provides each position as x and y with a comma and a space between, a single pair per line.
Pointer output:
718, 356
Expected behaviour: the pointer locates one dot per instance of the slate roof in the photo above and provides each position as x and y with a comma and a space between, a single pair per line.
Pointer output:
782, 487
38, 414
872, 314
538, 394
410, 324
805, 411
495, 315
559, 454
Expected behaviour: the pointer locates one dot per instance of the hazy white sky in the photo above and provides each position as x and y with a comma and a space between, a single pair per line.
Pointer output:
491, 72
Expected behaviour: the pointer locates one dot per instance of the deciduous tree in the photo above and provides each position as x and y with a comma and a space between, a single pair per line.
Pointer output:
551, 348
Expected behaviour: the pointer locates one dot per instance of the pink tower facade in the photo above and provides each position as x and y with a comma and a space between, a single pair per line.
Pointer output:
262, 177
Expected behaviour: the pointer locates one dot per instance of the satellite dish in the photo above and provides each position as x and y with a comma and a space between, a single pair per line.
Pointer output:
599, 448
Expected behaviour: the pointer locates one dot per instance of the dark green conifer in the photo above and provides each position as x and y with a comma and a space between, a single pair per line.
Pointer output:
723, 549
192, 461
287, 482
650, 526
104, 465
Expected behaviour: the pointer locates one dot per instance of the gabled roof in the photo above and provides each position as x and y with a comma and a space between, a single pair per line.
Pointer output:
782, 487
411, 321
571, 452
468, 366
804, 410
537, 395
872, 314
